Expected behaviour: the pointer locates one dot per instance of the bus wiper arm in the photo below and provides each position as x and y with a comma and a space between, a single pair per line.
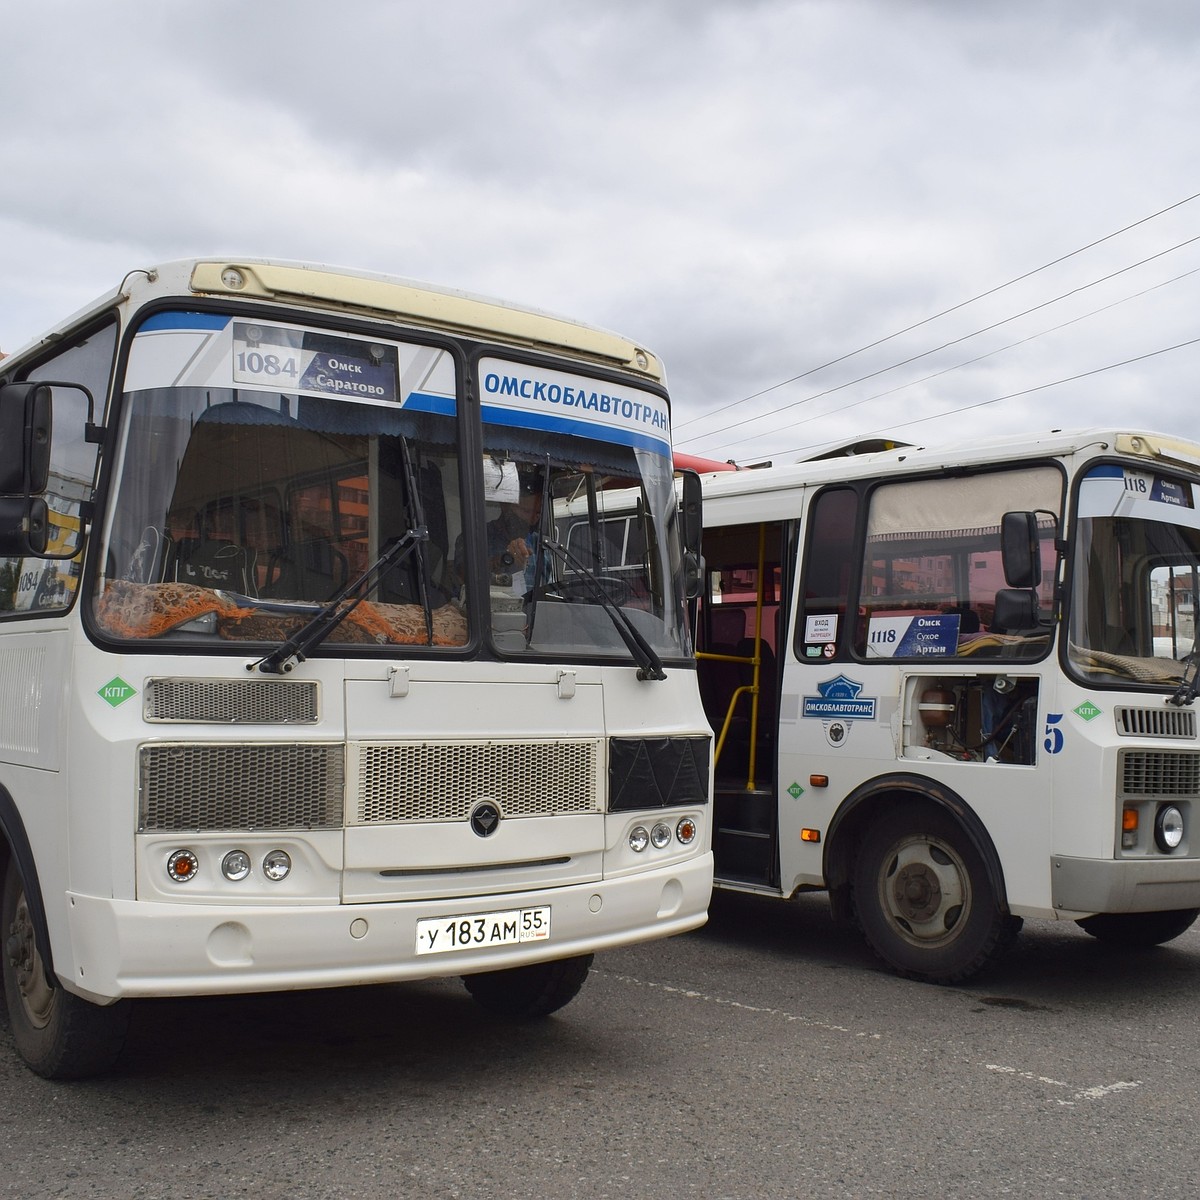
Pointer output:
336, 610
649, 664
1189, 685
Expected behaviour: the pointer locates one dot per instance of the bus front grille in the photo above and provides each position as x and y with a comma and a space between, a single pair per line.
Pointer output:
1159, 773
397, 782
290, 785
231, 701
305, 785
1155, 722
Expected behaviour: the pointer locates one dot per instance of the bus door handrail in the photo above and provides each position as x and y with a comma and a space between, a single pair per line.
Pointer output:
755, 661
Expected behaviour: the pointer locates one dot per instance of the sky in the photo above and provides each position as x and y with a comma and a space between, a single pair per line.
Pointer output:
832, 219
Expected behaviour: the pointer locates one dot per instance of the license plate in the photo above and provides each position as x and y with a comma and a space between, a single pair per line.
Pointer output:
474, 931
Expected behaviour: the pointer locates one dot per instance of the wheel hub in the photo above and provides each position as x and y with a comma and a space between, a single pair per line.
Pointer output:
917, 892
37, 995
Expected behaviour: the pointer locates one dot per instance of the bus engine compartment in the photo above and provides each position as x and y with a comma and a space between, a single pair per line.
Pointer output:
971, 718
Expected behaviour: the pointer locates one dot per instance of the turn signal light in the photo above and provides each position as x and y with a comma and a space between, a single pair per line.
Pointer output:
810, 835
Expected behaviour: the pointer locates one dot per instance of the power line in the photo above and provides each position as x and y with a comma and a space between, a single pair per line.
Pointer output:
1041, 387
945, 312
978, 358
946, 345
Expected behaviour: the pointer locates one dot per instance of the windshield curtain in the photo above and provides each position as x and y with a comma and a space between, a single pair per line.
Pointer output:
1134, 578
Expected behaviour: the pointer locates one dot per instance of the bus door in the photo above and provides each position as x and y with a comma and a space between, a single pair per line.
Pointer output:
738, 641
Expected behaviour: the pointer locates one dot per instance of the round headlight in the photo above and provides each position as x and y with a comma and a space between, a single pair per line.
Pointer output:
235, 865
660, 835
639, 839
276, 865
1168, 828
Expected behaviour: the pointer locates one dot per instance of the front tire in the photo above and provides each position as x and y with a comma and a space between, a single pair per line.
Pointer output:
924, 900
59, 1035
1137, 931
526, 993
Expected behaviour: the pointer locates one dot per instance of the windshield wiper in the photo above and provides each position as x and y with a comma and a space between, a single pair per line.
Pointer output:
649, 664
336, 610
1189, 685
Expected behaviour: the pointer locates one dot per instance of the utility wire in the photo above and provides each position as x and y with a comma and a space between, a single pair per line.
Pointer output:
1041, 387
978, 358
945, 345
945, 312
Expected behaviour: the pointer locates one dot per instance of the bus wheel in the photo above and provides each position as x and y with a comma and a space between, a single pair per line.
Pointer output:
523, 993
1139, 930
59, 1035
923, 899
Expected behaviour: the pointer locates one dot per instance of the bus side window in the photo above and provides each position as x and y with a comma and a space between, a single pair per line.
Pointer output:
828, 566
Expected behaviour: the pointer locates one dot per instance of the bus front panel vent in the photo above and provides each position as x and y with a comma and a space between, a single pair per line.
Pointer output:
1155, 722
247, 786
395, 782
231, 701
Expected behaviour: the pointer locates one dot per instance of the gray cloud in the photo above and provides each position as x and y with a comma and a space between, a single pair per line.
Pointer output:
753, 190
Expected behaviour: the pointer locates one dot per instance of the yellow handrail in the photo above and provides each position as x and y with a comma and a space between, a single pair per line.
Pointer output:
756, 662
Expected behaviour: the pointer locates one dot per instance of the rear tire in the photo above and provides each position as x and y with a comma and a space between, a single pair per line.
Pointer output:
1136, 931
59, 1035
526, 993
924, 900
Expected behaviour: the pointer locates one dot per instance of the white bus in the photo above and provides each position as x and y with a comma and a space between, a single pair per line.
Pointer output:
287, 702
955, 687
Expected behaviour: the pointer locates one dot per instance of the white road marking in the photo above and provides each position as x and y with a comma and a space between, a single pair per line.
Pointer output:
1097, 1092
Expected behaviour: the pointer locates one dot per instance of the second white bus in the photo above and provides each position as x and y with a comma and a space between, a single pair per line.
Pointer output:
955, 687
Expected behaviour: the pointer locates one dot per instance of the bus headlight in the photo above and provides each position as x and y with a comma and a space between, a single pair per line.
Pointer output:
277, 865
639, 839
660, 836
1168, 828
235, 866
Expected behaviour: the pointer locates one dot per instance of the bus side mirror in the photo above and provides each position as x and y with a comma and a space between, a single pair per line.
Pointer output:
690, 508
24, 525
1020, 549
24, 439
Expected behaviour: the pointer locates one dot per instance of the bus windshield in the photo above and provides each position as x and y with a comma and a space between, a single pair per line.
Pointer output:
263, 468
1136, 547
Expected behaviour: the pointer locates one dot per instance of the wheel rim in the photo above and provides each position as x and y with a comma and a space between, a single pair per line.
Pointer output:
925, 890
37, 996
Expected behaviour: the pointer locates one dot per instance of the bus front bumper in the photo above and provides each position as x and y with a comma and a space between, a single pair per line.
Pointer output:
1087, 885
128, 948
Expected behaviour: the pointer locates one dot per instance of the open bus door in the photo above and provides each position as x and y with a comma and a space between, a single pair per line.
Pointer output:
739, 640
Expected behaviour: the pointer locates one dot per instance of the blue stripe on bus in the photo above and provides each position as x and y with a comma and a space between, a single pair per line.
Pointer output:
426, 402
587, 429
186, 320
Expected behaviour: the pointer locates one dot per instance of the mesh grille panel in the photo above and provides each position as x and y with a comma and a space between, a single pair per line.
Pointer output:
1160, 773
431, 782
288, 786
1156, 722
230, 701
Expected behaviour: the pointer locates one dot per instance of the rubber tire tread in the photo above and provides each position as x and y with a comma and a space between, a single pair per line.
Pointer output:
1139, 931
990, 931
81, 1039
527, 993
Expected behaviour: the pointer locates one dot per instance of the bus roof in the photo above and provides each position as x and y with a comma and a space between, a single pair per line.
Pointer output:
369, 294
1156, 448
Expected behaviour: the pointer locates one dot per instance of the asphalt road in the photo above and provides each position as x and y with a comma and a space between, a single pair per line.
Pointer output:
764, 1056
